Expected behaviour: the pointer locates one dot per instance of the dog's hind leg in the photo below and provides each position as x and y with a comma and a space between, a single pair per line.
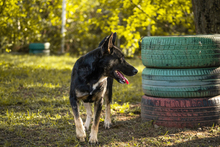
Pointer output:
80, 130
89, 115
95, 125
108, 100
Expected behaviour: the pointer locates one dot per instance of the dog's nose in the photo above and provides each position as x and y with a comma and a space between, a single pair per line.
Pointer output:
135, 71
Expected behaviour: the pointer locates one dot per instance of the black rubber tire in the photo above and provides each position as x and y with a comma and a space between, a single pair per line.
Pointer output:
180, 113
181, 83
181, 51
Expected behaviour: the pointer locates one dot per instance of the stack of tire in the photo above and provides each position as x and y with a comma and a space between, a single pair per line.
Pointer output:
181, 80
39, 48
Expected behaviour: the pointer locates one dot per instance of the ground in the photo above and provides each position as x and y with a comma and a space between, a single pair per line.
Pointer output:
35, 109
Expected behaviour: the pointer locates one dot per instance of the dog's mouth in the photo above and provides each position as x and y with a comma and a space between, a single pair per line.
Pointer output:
120, 77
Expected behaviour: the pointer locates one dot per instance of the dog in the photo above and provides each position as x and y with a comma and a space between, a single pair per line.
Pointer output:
91, 80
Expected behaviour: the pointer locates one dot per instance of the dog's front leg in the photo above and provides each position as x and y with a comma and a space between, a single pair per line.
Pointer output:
89, 115
107, 123
108, 100
95, 126
80, 130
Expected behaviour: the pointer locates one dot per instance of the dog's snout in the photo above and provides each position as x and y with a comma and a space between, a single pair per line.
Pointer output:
135, 71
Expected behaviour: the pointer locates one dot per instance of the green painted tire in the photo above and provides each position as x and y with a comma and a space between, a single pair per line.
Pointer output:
181, 83
39, 52
39, 46
181, 51
36, 46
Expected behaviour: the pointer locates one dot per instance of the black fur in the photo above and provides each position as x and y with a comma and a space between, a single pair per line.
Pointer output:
90, 68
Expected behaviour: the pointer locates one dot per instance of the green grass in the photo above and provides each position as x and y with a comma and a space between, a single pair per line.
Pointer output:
35, 109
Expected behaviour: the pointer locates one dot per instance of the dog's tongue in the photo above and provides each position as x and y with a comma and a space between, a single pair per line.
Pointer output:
126, 80
121, 75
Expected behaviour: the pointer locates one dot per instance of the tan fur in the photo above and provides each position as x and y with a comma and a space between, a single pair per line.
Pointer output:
107, 122
100, 81
110, 44
95, 127
93, 134
80, 94
89, 115
99, 95
80, 130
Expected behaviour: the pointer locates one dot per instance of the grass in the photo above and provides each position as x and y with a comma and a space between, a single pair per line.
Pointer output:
35, 109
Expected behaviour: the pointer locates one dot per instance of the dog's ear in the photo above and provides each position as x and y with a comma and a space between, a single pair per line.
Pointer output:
101, 43
107, 45
110, 42
114, 38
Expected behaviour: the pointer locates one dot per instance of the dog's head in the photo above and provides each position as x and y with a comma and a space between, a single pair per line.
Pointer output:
113, 61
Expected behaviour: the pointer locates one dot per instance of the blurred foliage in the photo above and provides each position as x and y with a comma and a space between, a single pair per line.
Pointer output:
24, 22
89, 21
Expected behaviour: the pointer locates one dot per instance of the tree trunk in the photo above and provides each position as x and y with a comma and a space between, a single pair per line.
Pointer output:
207, 16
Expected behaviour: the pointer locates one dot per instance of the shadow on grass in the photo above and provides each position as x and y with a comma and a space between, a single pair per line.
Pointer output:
135, 132
202, 142
63, 134
131, 131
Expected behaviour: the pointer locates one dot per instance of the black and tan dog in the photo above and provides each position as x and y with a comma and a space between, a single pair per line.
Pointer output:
91, 80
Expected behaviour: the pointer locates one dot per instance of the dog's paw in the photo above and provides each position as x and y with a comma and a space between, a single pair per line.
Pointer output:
107, 125
81, 139
80, 134
107, 122
93, 140
93, 136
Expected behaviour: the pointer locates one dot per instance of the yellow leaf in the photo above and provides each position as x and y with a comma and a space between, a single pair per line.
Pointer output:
99, 11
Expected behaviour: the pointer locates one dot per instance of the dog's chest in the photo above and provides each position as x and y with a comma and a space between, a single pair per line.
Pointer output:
99, 89
95, 85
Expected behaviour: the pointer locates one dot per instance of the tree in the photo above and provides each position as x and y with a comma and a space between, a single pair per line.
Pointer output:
130, 19
207, 16
23, 22
89, 21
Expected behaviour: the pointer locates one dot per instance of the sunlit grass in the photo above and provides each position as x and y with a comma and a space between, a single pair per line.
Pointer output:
34, 76
35, 109
42, 83
34, 91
